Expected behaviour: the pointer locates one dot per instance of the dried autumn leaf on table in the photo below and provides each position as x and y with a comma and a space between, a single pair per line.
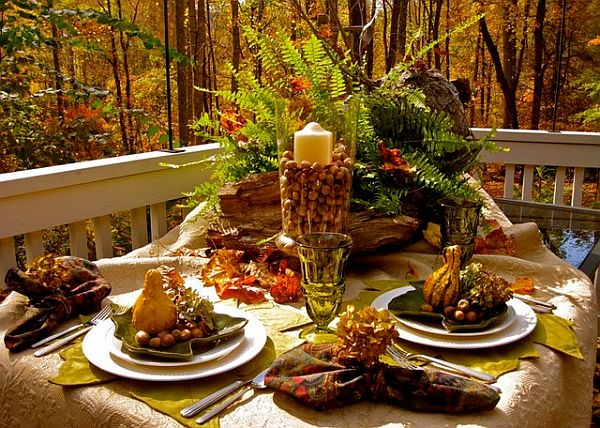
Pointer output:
495, 241
261, 272
287, 288
222, 266
244, 289
225, 272
171, 277
523, 285
248, 281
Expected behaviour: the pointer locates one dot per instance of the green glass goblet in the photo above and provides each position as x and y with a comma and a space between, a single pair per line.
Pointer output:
323, 260
459, 225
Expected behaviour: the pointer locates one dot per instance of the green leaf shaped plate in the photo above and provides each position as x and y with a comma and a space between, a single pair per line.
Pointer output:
226, 327
407, 308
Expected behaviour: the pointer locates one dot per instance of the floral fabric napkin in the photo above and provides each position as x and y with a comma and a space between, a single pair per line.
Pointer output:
311, 374
81, 291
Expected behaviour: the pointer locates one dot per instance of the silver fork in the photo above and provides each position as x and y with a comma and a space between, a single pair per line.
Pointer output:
400, 356
100, 316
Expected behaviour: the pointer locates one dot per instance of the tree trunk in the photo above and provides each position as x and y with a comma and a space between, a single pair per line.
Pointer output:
357, 18
448, 56
118, 92
402, 23
235, 43
124, 43
435, 32
182, 73
202, 73
331, 9
508, 91
368, 50
58, 84
392, 52
538, 71
475, 78
211, 63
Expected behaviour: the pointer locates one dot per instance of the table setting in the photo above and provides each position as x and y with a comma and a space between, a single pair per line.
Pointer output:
438, 313
510, 351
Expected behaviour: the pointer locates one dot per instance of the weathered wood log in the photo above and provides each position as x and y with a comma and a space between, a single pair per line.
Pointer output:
440, 95
251, 212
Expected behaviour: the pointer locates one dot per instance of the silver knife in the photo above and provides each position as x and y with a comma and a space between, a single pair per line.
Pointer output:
56, 335
529, 299
211, 399
61, 342
257, 383
457, 367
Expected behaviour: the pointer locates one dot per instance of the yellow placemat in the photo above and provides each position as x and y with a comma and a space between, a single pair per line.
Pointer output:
76, 370
556, 333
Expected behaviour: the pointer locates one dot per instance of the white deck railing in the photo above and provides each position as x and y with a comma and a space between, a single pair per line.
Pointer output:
34, 200
577, 150
38, 199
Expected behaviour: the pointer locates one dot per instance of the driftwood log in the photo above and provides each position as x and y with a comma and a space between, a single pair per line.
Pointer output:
251, 212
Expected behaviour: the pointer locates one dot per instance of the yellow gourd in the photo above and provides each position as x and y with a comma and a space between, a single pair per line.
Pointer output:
442, 287
153, 310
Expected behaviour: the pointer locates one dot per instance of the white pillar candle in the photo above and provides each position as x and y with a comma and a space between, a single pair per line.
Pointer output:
313, 144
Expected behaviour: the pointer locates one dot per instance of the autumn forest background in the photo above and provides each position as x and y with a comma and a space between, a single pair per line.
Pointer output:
87, 79
83, 80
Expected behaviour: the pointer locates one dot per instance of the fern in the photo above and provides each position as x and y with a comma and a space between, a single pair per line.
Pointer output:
252, 148
398, 118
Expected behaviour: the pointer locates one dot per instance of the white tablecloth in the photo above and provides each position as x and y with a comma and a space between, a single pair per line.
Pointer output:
553, 390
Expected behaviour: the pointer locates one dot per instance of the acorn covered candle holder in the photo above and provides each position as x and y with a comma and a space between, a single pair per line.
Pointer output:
315, 174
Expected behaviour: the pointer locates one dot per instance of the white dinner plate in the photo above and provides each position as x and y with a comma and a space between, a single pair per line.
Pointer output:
430, 328
96, 350
523, 324
115, 347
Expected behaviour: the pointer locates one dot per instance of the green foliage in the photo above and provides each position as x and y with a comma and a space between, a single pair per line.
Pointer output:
436, 158
591, 116
303, 81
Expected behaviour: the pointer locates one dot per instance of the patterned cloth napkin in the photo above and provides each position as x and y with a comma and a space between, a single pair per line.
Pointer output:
311, 374
81, 291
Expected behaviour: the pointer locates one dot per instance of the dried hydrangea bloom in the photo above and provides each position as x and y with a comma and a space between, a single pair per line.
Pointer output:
364, 335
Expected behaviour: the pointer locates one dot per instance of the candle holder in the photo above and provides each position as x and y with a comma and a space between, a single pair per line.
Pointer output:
315, 173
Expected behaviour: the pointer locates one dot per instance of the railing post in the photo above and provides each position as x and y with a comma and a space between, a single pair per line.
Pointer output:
158, 220
34, 245
139, 227
103, 237
559, 185
78, 240
577, 195
7, 257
